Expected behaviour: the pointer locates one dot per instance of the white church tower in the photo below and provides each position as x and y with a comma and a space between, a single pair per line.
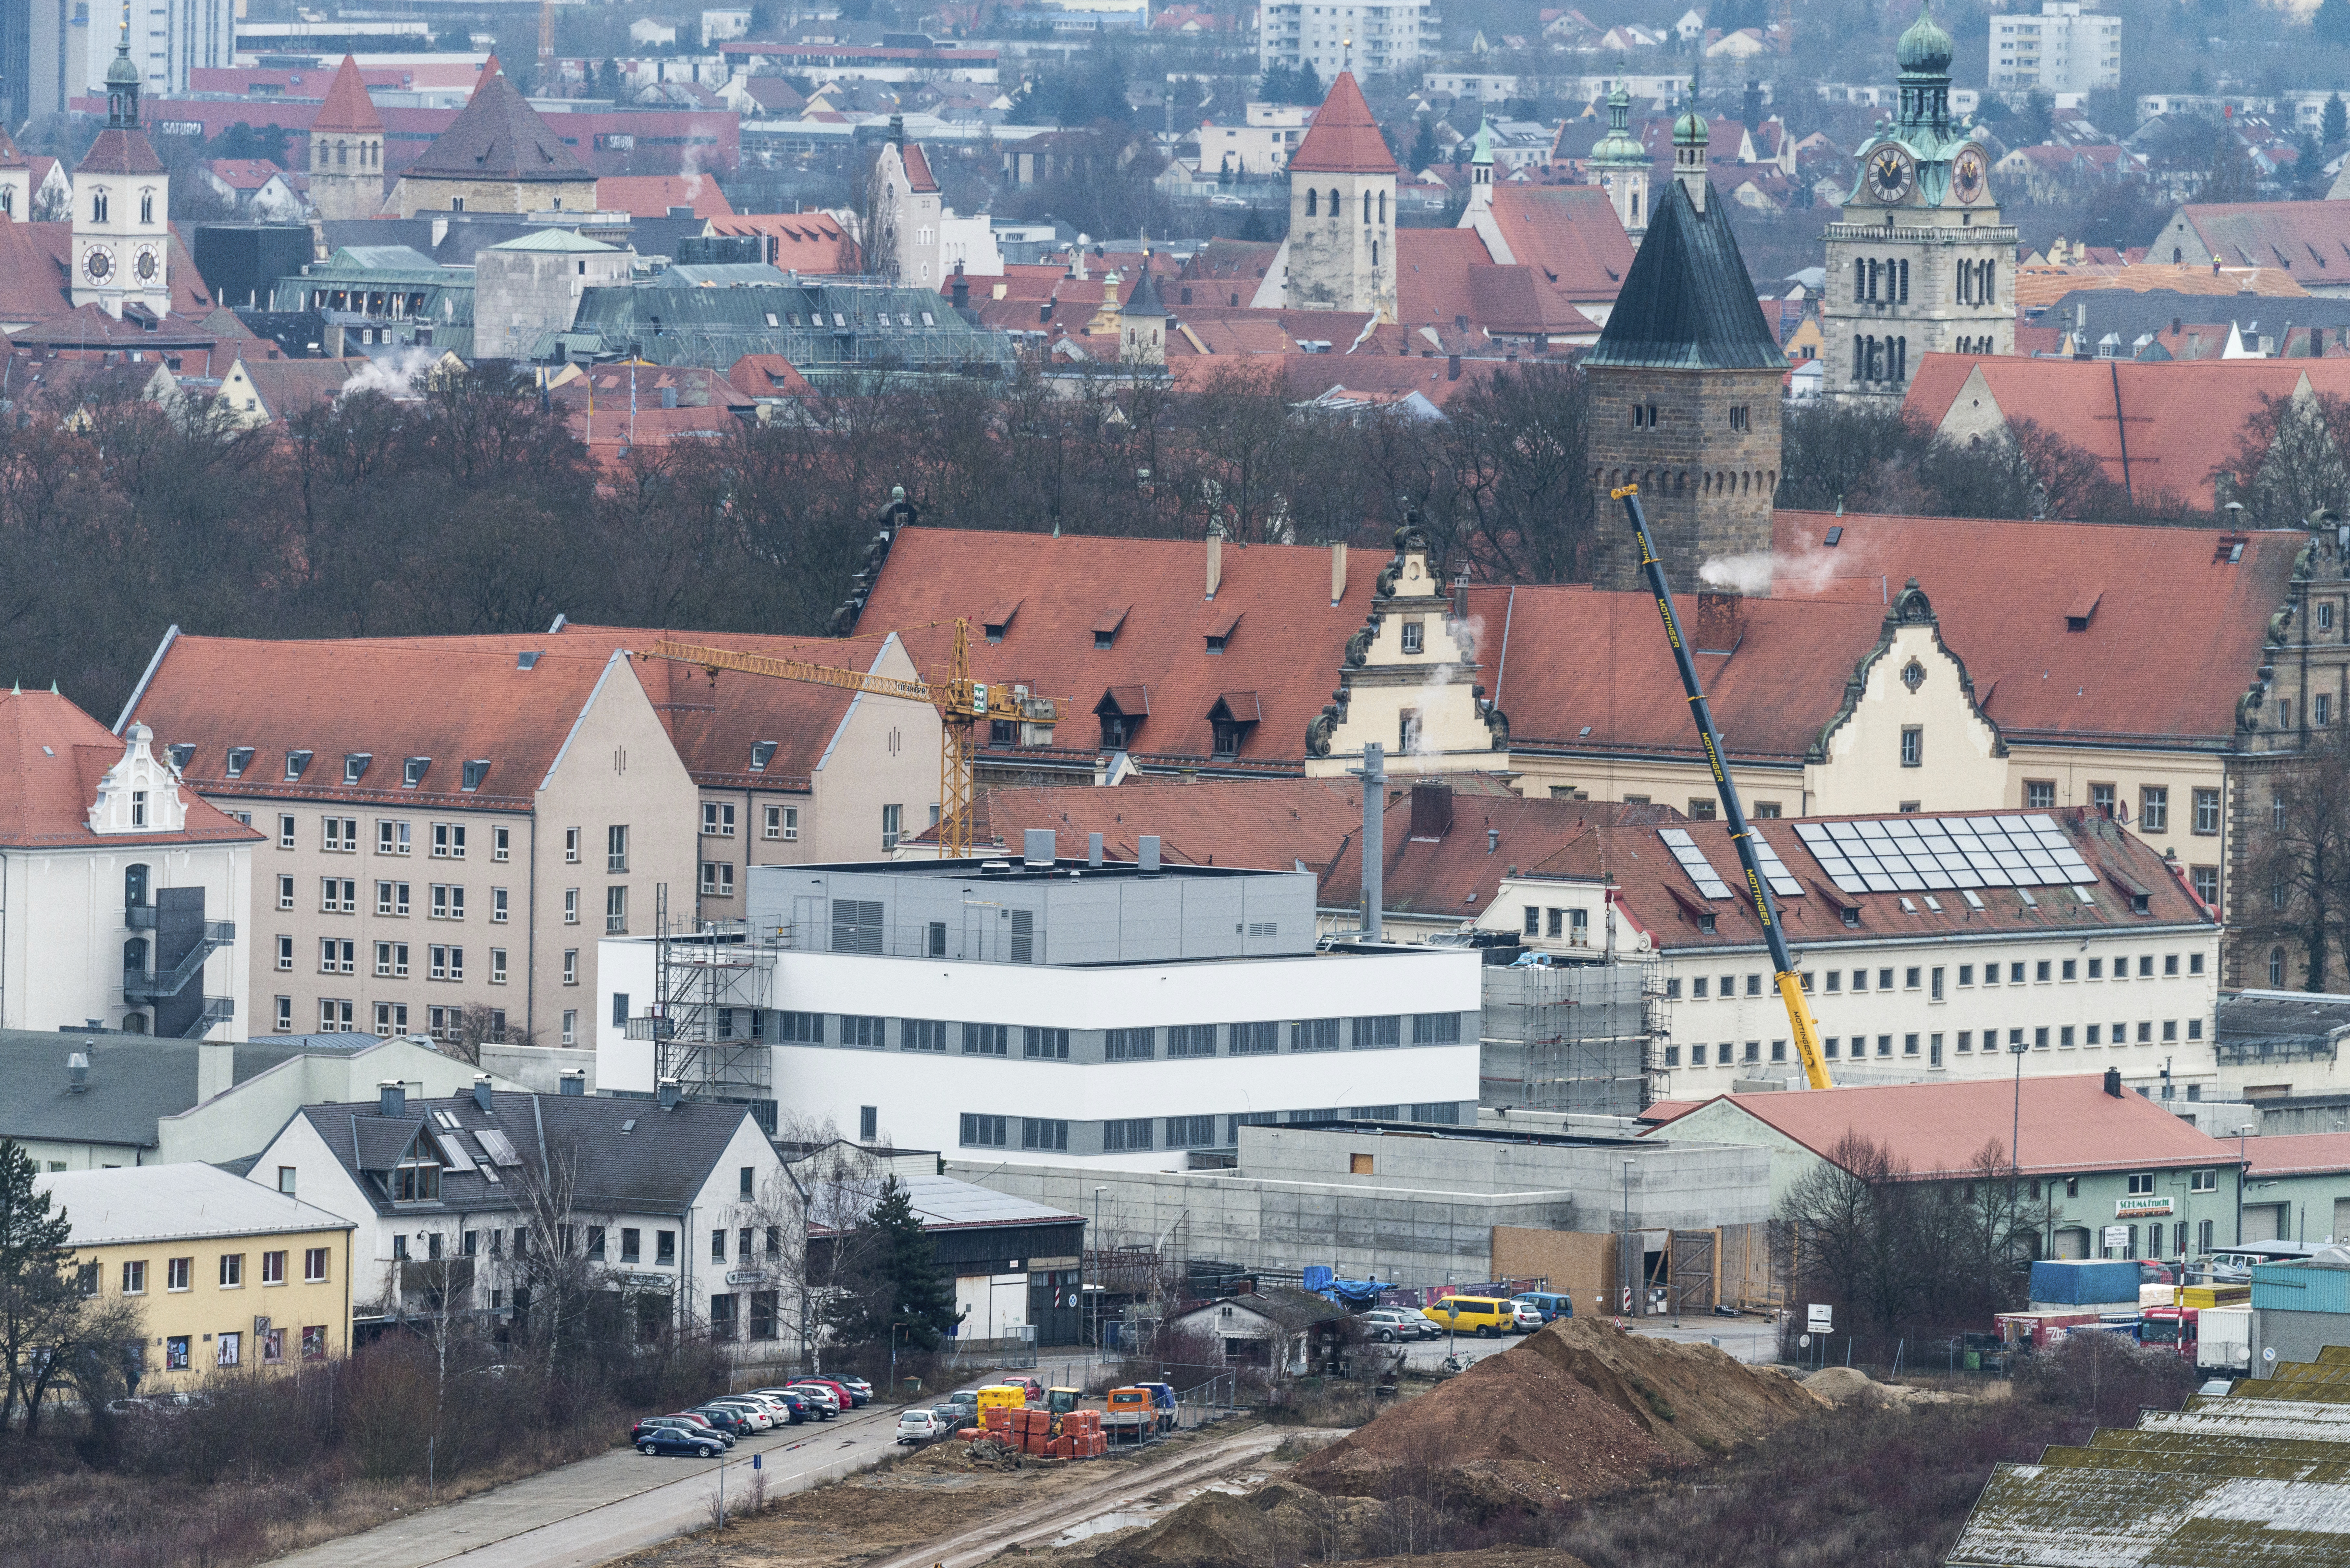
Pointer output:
121, 204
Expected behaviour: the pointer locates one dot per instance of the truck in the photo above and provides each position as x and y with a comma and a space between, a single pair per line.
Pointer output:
2042, 1330
2084, 1284
2210, 1338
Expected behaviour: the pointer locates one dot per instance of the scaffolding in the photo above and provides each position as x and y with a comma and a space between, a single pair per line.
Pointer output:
707, 1020
1576, 1038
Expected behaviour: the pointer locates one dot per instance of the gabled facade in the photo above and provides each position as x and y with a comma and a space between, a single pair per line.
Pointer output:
498, 156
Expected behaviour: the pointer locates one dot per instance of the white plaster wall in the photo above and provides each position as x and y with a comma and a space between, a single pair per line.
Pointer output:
62, 931
1959, 770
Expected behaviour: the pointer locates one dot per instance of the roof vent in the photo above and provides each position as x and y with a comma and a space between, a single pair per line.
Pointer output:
575, 1080
1147, 852
995, 867
1094, 850
391, 1098
670, 1094
527, 658
1037, 847
76, 1074
2113, 1082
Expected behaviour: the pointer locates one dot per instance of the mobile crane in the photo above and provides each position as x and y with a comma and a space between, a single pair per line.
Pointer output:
962, 702
1741, 837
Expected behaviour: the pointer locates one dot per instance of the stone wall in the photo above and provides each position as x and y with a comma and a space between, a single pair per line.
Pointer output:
1705, 454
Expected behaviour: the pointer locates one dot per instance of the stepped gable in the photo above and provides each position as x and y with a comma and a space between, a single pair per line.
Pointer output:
1688, 303
347, 107
499, 137
1343, 138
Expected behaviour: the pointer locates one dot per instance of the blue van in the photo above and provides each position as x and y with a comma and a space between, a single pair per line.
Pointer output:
1550, 1303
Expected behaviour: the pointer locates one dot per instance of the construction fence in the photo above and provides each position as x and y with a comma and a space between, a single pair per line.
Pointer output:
1645, 1273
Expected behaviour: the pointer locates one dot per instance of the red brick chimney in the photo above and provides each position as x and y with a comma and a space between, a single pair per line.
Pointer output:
1717, 630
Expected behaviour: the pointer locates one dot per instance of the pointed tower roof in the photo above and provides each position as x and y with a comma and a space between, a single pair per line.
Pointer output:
497, 136
347, 107
1687, 302
1145, 300
1345, 138
9, 157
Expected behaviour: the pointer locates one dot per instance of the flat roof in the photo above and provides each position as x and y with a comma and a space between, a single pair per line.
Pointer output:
1013, 868
1461, 1134
175, 1203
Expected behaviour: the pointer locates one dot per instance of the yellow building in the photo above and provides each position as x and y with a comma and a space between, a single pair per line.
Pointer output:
229, 1273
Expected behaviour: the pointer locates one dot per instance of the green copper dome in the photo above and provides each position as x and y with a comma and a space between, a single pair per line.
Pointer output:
1924, 48
1689, 129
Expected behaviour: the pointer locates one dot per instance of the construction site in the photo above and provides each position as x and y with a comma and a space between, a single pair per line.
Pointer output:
1575, 1038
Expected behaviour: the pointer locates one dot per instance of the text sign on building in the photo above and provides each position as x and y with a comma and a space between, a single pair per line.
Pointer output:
746, 1276
2116, 1238
2140, 1206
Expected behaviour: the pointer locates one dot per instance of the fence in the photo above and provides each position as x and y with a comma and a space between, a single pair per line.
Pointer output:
1957, 1352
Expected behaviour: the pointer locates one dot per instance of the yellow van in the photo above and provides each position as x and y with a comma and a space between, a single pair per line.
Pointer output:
1484, 1316
1003, 1397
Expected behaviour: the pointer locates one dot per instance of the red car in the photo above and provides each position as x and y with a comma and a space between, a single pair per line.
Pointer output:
839, 1391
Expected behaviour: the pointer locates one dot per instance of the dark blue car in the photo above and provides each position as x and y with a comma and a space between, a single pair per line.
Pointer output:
679, 1440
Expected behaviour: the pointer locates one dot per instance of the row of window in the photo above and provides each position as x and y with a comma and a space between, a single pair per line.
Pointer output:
779, 822
413, 770
446, 900
228, 1348
340, 835
1916, 977
339, 1014
585, 1240
1045, 1134
1138, 1044
2064, 1036
442, 961
179, 1273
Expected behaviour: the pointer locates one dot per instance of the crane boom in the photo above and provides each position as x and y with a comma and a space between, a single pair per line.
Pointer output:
1741, 837
714, 659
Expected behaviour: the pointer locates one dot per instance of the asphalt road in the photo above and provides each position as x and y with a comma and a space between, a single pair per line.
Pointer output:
618, 1502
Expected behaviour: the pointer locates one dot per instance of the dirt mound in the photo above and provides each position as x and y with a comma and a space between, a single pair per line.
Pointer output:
1490, 1557
1279, 1521
1691, 1399
1842, 1386
1515, 1431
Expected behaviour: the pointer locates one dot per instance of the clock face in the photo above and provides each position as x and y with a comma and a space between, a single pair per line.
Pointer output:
1966, 175
149, 264
1888, 174
97, 264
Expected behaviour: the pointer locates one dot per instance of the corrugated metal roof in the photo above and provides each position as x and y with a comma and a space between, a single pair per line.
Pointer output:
941, 1203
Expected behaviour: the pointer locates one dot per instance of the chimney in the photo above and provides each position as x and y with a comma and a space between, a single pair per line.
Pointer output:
1215, 562
575, 1081
1037, 848
1493, 839
1337, 573
1094, 850
961, 289
482, 1092
1375, 803
215, 1070
1432, 809
2113, 1082
1717, 623
1147, 852
1452, 366
78, 1073
668, 1095
391, 1098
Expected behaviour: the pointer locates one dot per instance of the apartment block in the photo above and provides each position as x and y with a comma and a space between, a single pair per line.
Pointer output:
1369, 40
2067, 48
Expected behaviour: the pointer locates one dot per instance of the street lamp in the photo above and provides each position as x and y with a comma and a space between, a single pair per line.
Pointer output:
1097, 1250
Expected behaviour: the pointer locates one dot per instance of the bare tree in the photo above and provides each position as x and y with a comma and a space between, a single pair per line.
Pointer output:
2298, 888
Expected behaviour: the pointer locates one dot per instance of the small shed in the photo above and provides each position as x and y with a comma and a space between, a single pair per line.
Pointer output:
1288, 1331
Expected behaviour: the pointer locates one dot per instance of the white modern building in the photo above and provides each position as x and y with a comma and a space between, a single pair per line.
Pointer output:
169, 38
2069, 48
1121, 1015
121, 892
1379, 39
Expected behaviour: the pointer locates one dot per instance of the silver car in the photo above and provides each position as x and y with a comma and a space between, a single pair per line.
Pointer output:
1388, 1324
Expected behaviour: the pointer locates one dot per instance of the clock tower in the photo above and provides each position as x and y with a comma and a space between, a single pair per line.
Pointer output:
1921, 262
121, 206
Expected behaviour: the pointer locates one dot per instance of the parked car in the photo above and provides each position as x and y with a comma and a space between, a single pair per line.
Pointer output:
1484, 1316
843, 1400
1525, 1316
1030, 1389
683, 1440
784, 1413
954, 1418
1551, 1304
703, 1424
920, 1426
827, 1401
759, 1417
733, 1422
859, 1387
1388, 1324
809, 1407
651, 1422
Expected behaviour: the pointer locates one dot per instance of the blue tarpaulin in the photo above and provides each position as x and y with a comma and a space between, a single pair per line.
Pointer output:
1317, 1277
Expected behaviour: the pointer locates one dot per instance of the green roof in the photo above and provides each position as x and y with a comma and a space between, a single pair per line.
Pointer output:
561, 240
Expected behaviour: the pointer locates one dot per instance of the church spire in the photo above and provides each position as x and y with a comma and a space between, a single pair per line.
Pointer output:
122, 82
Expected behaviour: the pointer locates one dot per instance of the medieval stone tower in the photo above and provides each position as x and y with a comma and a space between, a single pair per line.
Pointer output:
346, 150
1342, 197
1685, 396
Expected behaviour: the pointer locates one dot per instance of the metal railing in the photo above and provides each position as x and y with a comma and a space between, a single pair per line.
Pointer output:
145, 985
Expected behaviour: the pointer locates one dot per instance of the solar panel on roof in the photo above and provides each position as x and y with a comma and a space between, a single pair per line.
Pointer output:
1774, 870
498, 1147
1908, 853
1692, 860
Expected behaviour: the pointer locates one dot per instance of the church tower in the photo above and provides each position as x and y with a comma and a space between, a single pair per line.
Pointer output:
1340, 254
1480, 170
346, 150
1620, 165
1921, 260
1685, 392
121, 204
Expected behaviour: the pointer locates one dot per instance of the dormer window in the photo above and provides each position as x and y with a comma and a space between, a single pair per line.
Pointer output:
182, 753
296, 762
1852, 917
1122, 711
354, 765
475, 772
762, 754
1106, 628
1220, 635
999, 620
416, 1179
239, 759
1235, 713
413, 771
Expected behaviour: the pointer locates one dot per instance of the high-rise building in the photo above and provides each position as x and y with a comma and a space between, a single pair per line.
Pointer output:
169, 39
1685, 391
2068, 47
1922, 260
1377, 39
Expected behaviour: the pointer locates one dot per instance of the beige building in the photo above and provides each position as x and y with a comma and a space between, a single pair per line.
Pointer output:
498, 156
346, 150
454, 822
1341, 253
228, 1275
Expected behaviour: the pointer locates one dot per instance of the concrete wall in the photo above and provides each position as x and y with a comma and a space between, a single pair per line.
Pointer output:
538, 1069
1569, 1039
414, 194
520, 295
62, 929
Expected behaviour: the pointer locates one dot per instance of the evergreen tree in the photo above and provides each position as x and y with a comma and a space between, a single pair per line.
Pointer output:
1423, 146
895, 1281
2337, 122
1306, 86
1277, 85
2331, 25
33, 1291
2308, 169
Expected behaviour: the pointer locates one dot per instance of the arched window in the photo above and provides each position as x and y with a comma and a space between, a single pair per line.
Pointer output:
1905, 283
97, 207
134, 887
134, 1023
1383, 206
2175, 255
2276, 967
1334, 211
134, 956
1859, 279
1312, 195
1366, 206
1990, 283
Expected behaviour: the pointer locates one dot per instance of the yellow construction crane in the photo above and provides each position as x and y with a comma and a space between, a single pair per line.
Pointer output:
964, 703
1741, 835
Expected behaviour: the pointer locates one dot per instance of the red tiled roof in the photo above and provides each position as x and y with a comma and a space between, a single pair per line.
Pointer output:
1569, 234
31, 285
2060, 1124
1445, 275
767, 375
1660, 1112
347, 107
2310, 240
1454, 875
652, 196
1289, 639
117, 151
1343, 138
1265, 823
1311, 375
918, 168
2296, 1154
497, 136
807, 243
52, 755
